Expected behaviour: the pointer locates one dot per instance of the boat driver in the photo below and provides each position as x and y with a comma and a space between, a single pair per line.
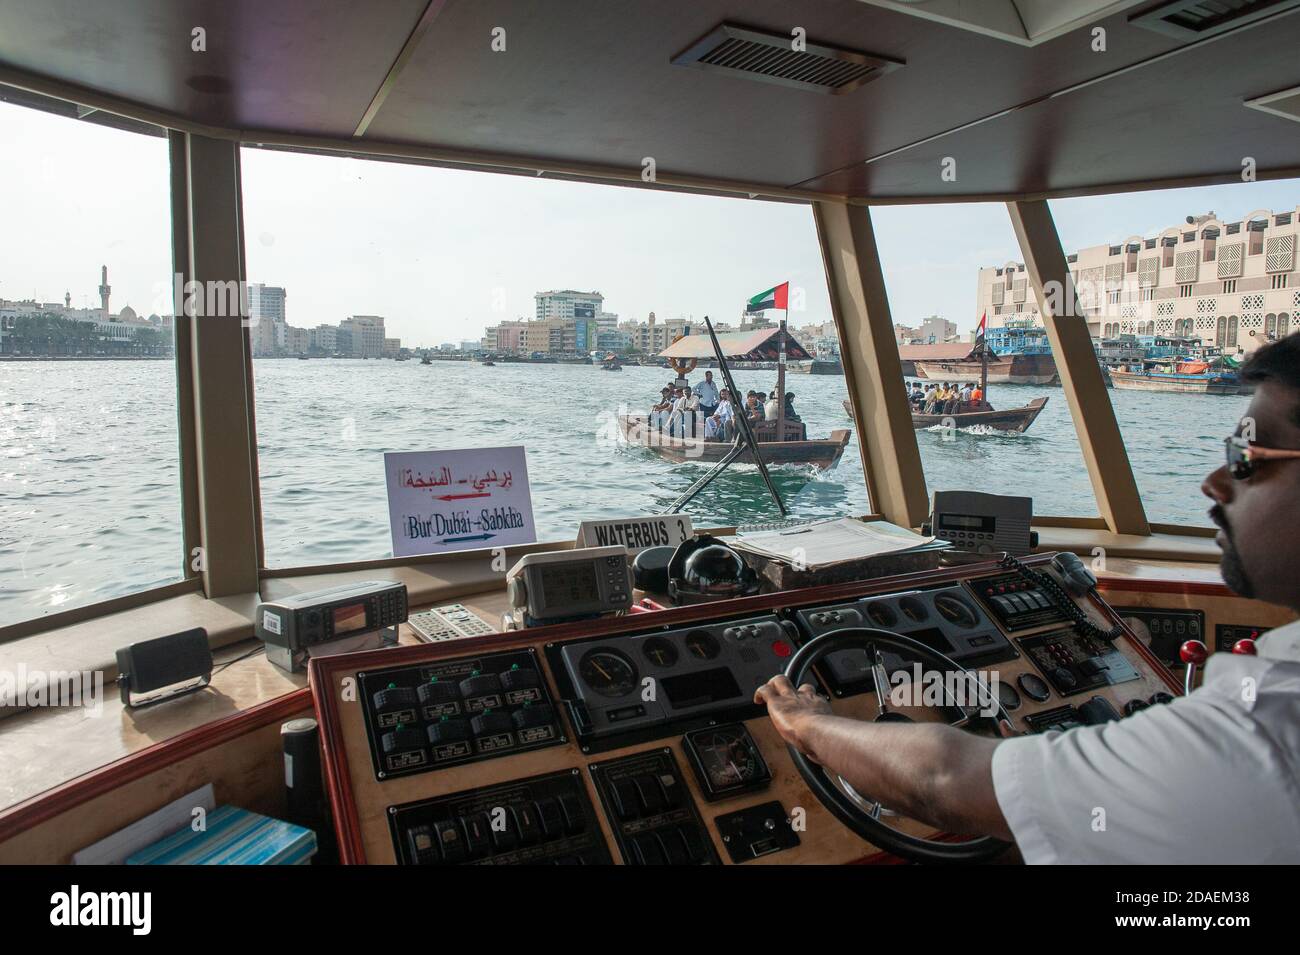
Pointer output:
1212, 777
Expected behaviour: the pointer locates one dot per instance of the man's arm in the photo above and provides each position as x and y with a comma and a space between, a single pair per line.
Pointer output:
928, 771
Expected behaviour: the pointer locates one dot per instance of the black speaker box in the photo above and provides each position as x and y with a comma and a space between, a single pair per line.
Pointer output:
173, 661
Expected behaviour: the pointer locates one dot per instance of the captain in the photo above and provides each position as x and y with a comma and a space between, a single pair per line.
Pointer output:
1212, 777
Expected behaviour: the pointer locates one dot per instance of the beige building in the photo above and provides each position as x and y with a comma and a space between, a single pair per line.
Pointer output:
364, 336
1229, 283
932, 331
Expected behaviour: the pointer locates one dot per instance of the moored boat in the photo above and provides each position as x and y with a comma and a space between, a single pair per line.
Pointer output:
1015, 369
1204, 383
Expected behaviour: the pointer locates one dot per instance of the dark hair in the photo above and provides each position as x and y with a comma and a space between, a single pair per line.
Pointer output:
1278, 362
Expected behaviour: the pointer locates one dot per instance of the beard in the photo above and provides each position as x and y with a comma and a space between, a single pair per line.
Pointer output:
1234, 574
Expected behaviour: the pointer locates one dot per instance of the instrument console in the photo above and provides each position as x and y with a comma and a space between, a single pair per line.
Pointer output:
636, 739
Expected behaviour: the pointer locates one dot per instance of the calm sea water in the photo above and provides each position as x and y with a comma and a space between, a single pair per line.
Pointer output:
90, 507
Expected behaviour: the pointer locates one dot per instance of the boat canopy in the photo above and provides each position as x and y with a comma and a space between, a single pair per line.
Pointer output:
763, 344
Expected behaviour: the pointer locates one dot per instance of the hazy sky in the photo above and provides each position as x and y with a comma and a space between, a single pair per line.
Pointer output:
442, 253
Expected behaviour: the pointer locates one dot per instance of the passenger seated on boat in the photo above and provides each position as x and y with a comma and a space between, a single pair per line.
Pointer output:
935, 399
754, 407
1168, 771
929, 398
789, 406
660, 410
965, 398
917, 398
977, 398
682, 423
770, 407
717, 426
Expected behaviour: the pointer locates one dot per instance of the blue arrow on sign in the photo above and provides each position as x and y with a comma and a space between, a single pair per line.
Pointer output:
471, 537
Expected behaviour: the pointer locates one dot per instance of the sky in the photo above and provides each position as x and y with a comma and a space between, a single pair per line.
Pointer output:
443, 253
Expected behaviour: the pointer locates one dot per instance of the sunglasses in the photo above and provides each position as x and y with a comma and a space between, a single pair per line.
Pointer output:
1243, 456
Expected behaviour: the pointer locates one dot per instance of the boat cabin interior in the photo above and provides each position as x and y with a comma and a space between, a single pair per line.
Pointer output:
587, 695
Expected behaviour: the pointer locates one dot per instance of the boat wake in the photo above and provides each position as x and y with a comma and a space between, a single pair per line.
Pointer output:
978, 430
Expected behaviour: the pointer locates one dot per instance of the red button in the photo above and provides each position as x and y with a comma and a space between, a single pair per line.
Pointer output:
781, 648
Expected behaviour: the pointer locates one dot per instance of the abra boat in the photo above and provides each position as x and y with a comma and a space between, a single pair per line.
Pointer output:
1009, 419
782, 441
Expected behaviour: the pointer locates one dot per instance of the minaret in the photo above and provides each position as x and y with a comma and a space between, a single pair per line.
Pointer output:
104, 289
67, 300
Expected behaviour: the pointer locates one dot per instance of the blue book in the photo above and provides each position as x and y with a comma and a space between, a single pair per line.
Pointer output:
232, 837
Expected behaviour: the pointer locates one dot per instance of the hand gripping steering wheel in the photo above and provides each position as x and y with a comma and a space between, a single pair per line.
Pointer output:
844, 803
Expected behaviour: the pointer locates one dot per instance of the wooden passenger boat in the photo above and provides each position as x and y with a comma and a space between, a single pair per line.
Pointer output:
782, 441
1007, 419
794, 448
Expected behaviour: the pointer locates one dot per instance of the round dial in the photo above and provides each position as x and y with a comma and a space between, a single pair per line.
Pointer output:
702, 645
607, 672
956, 610
881, 615
727, 758
913, 609
660, 651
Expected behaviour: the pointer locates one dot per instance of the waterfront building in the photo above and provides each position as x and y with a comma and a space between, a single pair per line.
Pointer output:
1231, 283
266, 319
365, 336
567, 303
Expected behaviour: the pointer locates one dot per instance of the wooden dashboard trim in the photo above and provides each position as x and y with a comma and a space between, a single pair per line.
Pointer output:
1199, 588
322, 671
75, 792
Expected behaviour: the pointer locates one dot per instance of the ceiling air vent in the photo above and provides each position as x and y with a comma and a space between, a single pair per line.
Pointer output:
1193, 19
771, 58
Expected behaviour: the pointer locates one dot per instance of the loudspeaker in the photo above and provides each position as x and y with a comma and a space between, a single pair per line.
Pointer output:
162, 663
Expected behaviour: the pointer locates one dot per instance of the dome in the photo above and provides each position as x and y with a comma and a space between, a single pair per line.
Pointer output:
127, 314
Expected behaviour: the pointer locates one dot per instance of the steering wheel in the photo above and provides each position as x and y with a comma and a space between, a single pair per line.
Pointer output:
847, 805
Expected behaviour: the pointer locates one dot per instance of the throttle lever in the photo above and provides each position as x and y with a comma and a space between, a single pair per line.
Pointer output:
1194, 653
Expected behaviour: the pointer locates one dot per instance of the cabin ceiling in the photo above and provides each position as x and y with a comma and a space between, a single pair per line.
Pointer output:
1013, 91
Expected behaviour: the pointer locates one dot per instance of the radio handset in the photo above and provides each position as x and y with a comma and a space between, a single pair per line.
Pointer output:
1079, 580
1075, 576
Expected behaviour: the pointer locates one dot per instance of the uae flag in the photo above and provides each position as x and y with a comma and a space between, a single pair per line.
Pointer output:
979, 332
778, 297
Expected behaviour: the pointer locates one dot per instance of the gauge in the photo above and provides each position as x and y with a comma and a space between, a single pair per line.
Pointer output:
913, 609
726, 761
702, 644
660, 651
956, 610
1008, 696
607, 672
881, 615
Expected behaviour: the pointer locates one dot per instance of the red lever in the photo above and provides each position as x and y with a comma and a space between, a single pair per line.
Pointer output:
1245, 647
1193, 653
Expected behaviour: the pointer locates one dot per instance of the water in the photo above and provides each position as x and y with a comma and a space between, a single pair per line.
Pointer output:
90, 507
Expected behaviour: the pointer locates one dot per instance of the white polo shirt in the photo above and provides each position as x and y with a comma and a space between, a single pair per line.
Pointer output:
1213, 777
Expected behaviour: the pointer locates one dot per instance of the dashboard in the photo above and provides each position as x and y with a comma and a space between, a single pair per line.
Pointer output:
635, 740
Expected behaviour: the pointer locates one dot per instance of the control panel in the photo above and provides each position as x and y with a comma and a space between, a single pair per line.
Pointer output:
1017, 603
1226, 635
636, 740
756, 832
945, 619
653, 817
1074, 663
1163, 631
638, 682
545, 819
421, 718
